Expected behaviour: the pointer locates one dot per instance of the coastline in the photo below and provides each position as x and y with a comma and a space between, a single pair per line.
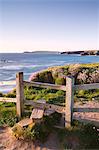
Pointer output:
48, 75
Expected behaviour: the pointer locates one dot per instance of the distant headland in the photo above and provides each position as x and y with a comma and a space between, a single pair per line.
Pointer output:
85, 52
46, 52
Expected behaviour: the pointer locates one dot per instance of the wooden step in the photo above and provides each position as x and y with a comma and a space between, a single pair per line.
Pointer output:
25, 122
48, 112
37, 113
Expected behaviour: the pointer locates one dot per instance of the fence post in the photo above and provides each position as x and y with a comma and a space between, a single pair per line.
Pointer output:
19, 93
69, 100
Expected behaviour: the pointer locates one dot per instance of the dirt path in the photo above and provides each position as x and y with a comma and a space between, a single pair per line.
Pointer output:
9, 142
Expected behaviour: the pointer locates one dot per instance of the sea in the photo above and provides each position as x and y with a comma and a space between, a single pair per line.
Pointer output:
11, 63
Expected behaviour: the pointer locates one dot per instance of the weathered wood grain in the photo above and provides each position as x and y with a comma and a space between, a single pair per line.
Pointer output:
69, 101
37, 113
59, 109
19, 93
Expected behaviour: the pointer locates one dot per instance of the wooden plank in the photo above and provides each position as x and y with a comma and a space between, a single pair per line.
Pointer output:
86, 121
57, 108
45, 85
86, 86
69, 101
48, 112
19, 93
37, 113
59, 127
5, 99
86, 109
25, 122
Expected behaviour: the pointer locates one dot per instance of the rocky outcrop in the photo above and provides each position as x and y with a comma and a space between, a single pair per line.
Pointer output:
83, 73
85, 52
90, 52
43, 76
88, 77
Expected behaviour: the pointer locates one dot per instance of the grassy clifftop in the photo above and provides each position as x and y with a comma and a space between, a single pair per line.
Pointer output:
83, 73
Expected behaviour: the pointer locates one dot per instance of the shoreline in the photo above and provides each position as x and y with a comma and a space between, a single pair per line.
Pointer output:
7, 86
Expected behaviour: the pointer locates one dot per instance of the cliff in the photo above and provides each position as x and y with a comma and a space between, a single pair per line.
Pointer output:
83, 73
85, 52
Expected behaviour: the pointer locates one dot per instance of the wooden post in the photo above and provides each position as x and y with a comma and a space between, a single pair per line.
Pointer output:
69, 101
19, 93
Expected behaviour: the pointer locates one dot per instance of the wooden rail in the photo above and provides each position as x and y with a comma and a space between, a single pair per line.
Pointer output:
87, 86
45, 85
59, 109
5, 99
85, 109
69, 98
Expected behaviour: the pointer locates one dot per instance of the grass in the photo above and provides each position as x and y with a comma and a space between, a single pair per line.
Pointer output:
7, 110
8, 114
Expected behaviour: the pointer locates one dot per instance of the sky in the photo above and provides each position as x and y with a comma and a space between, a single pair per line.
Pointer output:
55, 25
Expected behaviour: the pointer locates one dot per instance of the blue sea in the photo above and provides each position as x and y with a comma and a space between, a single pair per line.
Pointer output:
11, 63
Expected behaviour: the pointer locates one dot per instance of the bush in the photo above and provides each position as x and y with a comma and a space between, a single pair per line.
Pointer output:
10, 95
1, 94
60, 81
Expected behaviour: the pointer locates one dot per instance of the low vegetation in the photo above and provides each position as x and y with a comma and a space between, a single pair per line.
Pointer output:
81, 134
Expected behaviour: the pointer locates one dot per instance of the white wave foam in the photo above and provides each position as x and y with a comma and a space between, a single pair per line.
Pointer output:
18, 67
5, 83
12, 67
31, 66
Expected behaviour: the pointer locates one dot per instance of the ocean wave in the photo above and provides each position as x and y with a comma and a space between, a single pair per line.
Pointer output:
7, 83
18, 66
12, 67
31, 66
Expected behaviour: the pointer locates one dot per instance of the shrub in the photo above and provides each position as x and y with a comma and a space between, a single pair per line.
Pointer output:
11, 95
1, 94
60, 81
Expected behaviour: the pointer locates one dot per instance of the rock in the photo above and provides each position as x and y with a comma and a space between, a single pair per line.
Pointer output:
83, 73
46, 77
88, 76
34, 76
43, 76
74, 69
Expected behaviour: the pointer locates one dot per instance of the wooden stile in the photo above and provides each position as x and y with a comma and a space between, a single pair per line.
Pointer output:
50, 108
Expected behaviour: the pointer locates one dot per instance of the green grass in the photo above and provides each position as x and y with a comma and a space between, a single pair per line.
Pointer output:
51, 96
8, 114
